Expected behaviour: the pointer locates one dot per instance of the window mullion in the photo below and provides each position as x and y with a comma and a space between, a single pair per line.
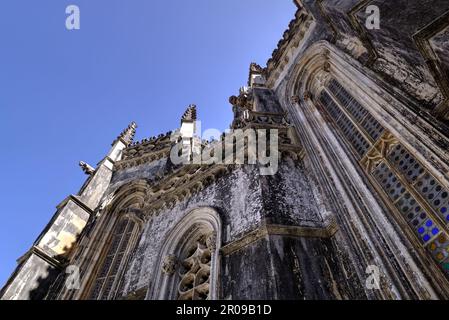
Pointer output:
351, 117
129, 229
107, 277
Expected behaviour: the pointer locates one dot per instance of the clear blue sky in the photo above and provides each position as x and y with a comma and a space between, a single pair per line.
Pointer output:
66, 95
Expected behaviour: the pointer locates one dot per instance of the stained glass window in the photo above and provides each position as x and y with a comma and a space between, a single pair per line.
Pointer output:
421, 206
417, 195
358, 113
111, 265
351, 133
439, 248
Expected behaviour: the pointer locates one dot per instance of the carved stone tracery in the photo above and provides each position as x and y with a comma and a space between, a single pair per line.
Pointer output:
195, 271
170, 264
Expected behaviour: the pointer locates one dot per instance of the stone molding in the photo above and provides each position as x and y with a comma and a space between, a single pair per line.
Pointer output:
193, 223
358, 211
265, 230
422, 38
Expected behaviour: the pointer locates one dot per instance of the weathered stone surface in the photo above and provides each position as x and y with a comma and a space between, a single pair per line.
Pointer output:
310, 269
238, 200
36, 276
310, 231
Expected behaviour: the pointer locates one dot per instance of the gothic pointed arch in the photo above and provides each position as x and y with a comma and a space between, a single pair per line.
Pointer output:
188, 266
120, 226
371, 144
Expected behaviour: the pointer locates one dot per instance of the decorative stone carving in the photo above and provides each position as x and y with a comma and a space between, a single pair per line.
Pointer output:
307, 95
189, 114
106, 201
170, 264
127, 135
322, 78
195, 274
211, 241
87, 169
291, 39
295, 99
243, 100
254, 67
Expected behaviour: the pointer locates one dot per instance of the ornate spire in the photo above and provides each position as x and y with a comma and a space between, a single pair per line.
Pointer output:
254, 67
256, 75
127, 135
190, 114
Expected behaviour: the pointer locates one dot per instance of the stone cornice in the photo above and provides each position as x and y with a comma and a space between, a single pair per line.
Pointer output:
77, 201
152, 140
422, 40
41, 254
262, 119
265, 230
145, 151
290, 40
181, 184
145, 158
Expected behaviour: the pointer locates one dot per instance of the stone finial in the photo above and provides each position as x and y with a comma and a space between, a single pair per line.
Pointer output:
255, 68
244, 100
189, 114
256, 75
233, 100
87, 169
127, 135
169, 264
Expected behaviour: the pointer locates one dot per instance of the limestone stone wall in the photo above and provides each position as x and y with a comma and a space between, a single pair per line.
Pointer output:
266, 262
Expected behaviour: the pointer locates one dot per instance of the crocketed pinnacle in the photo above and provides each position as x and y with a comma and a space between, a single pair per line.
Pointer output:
190, 114
127, 135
